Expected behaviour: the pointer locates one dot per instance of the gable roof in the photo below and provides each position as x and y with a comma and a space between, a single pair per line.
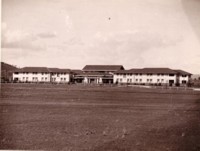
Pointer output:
181, 72
93, 74
103, 67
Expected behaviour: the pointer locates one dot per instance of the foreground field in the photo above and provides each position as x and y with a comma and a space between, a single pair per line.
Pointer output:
70, 117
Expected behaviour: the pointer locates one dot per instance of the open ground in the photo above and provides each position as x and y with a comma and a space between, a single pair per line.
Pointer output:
83, 117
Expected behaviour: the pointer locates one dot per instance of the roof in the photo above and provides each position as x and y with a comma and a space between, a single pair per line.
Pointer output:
181, 72
157, 71
76, 71
33, 69
57, 70
103, 68
42, 70
149, 71
93, 74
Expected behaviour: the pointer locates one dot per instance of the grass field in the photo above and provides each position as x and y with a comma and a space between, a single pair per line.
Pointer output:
100, 118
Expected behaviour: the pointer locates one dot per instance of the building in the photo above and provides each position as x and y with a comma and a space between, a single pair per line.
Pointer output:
97, 74
152, 76
41, 74
104, 74
60, 75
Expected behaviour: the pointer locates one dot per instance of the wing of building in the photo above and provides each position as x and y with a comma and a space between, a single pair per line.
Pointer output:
97, 74
149, 76
42, 74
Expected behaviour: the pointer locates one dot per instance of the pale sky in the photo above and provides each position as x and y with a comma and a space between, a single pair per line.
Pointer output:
74, 33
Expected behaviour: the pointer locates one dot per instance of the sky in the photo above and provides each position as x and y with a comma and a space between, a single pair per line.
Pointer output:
75, 33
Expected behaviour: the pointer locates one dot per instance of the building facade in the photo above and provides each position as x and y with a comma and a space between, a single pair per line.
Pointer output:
97, 74
42, 74
152, 76
103, 74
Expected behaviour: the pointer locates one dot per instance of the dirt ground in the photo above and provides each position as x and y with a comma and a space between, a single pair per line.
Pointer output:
99, 118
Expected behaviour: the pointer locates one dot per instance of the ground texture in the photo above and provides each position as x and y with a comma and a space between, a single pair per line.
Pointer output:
99, 118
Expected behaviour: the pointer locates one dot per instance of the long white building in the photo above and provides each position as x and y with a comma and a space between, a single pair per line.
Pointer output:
42, 74
151, 76
99, 74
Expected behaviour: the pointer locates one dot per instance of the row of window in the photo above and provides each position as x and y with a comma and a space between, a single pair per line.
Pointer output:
43, 73
35, 78
42, 79
59, 74
61, 79
171, 75
140, 80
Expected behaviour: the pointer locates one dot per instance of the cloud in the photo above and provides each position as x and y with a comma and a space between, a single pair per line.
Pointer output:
47, 34
73, 41
120, 47
20, 39
131, 42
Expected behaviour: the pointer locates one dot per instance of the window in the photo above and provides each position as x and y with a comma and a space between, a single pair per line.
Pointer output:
120, 80
16, 72
140, 73
140, 80
46, 78
158, 74
147, 80
64, 79
136, 80
42, 78
26, 78
171, 75
150, 80
127, 80
23, 78
162, 80
158, 80
124, 75
184, 76
183, 81
61, 79
130, 80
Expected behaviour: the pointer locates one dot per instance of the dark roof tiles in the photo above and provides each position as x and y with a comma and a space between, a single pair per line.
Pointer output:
103, 68
154, 71
43, 70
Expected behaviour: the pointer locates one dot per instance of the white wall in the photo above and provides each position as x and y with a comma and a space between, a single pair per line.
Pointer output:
30, 77
144, 78
60, 77
184, 78
42, 77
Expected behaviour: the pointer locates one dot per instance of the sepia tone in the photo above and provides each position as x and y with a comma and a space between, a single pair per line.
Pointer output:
100, 75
